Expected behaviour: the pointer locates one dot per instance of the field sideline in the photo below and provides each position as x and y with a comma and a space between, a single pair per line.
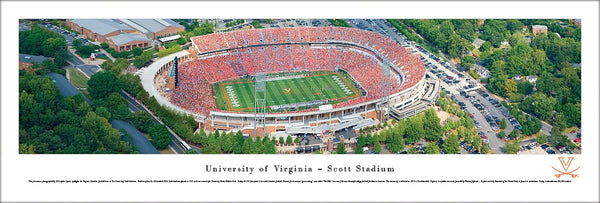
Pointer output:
331, 86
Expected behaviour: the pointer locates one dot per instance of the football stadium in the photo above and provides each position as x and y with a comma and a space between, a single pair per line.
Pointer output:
292, 81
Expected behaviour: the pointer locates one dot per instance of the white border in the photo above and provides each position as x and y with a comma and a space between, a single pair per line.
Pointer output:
17, 169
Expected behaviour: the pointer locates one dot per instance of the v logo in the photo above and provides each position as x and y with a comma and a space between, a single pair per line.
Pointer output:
566, 164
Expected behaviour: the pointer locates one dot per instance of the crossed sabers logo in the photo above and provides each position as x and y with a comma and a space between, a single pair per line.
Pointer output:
566, 165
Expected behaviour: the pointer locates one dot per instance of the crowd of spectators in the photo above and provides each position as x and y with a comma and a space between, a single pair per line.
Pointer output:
282, 50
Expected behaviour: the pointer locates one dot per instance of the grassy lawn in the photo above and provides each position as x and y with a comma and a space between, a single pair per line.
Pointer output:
86, 93
78, 79
104, 57
332, 87
166, 151
568, 130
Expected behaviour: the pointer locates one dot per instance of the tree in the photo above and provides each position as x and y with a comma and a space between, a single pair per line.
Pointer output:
369, 139
412, 150
142, 120
432, 127
77, 42
573, 113
341, 148
103, 111
558, 139
432, 148
181, 41
514, 134
501, 134
455, 45
510, 87
103, 84
485, 149
104, 45
160, 136
543, 106
191, 151
514, 25
288, 140
511, 147
297, 140
467, 61
86, 51
377, 147
486, 46
477, 142
451, 145
137, 51
256, 24
395, 143
123, 112
447, 28
359, 150
26, 149
503, 123
415, 130
541, 138
560, 121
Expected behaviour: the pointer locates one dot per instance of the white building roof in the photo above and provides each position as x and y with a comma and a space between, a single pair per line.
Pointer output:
101, 26
126, 38
169, 38
150, 25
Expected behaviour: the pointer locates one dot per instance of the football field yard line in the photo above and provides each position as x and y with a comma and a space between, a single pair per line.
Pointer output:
250, 92
245, 90
314, 86
306, 96
303, 88
226, 97
276, 88
335, 87
348, 85
328, 93
293, 89
318, 84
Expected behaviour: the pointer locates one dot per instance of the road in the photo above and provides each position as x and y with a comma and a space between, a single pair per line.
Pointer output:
89, 70
135, 106
138, 140
496, 145
65, 87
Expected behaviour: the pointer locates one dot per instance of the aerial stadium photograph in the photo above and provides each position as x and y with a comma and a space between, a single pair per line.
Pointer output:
300, 86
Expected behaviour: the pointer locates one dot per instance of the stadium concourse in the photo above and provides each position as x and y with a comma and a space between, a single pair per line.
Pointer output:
233, 55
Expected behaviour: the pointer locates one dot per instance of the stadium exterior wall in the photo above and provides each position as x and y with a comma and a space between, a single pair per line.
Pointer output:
239, 121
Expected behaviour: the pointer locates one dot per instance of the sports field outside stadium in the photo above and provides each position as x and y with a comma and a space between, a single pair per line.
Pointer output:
333, 87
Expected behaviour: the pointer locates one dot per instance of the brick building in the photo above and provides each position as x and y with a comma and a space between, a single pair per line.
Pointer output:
539, 29
26, 60
154, 28
576, 21
99, 29
126, 42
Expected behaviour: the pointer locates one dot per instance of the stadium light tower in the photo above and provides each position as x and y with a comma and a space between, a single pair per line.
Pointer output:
384, 104
260, 100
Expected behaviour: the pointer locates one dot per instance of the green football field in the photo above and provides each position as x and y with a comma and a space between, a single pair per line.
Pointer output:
332, 86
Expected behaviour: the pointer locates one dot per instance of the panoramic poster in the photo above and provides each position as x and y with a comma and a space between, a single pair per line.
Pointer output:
299, 101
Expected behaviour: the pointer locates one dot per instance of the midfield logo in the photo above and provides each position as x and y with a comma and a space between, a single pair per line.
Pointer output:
566, 165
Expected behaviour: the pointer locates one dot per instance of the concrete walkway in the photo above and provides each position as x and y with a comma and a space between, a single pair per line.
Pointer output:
107, 54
